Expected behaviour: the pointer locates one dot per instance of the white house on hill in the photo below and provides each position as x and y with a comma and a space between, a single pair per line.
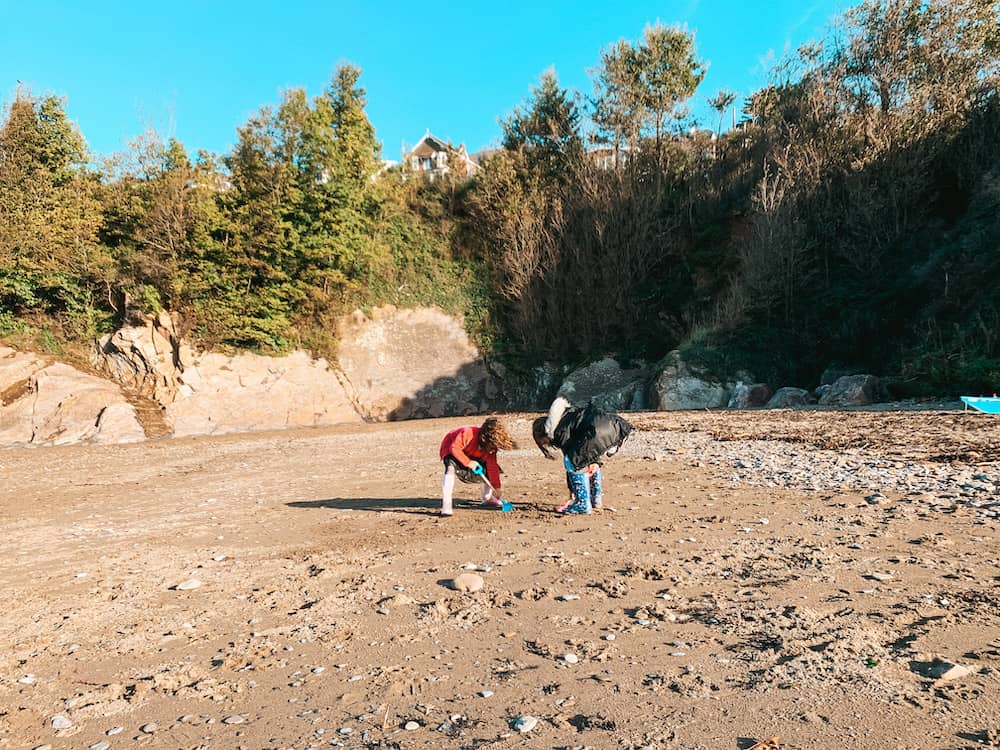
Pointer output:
433, 158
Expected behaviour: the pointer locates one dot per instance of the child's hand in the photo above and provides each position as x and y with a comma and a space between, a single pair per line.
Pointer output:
475, 467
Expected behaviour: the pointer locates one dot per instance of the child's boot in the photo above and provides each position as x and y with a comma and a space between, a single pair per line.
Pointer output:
580, 484
596, 489
447, 490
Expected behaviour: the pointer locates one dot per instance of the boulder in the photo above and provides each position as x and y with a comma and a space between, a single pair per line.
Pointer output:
787, 398
749, 396
678, 387
606, 384
836, 371
55, 404
218, 394
412, 363
853, 390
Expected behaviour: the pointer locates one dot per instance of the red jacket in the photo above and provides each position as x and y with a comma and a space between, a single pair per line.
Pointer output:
463, 444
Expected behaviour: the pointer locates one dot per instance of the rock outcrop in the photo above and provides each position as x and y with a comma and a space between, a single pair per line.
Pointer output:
606, 384
678, 387
147, 359
247, 392
213, 393
43, 403
394, 364
412, 363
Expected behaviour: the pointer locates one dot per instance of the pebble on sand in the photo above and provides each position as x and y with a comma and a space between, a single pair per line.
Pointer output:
234, 719
944, 669
102, 745
411, 726
61, 722
570, 658
524, 724
485, 693
118, 730
468, 582
148, 728
189, 585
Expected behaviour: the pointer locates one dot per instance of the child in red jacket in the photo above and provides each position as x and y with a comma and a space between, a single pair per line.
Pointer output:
472, 451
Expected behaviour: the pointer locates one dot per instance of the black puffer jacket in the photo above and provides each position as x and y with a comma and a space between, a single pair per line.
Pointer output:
585, 435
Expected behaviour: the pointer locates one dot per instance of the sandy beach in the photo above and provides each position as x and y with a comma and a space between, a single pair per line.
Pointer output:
826, 579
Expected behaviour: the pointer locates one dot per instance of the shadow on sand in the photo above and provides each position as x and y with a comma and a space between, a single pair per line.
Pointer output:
423, 506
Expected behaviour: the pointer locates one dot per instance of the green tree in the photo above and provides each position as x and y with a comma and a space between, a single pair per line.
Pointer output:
721, 103
50, 258
933, 59
353, 132
640, 87
547, 126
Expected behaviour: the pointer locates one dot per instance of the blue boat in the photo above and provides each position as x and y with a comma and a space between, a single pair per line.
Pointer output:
987, 404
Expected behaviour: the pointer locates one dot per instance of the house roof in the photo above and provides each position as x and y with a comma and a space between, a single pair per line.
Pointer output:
428, 146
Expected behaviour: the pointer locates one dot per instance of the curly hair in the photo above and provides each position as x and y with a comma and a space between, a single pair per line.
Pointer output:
493, 436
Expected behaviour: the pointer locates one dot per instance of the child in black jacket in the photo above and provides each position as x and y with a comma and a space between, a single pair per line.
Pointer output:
585, 436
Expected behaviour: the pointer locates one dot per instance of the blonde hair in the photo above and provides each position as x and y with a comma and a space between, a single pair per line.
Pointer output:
493, 436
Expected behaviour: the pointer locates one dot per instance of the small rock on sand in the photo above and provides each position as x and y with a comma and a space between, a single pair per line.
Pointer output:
468, 582
148, 728
944, 669
235, 719
61, 722
411, 726
524, 724
189, 585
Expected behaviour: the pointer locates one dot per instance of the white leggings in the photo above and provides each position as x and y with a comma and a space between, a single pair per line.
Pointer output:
448, 489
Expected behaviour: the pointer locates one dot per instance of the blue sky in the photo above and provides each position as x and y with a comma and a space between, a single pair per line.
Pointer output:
196, 70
